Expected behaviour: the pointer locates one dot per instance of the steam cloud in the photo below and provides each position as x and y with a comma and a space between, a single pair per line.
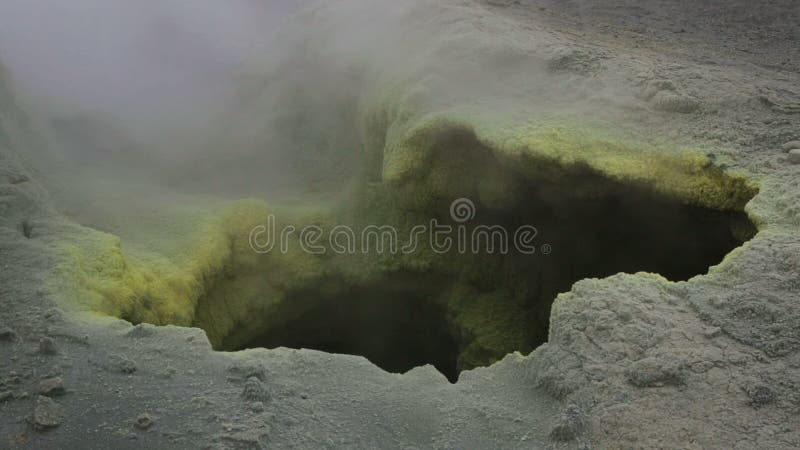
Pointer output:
141, 61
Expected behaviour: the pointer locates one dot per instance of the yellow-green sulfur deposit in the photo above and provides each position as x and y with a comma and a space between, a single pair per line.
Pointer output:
602, 205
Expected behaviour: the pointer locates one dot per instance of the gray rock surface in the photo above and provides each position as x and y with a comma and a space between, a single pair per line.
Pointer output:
791, 145
52, 387
794, 156
48, 414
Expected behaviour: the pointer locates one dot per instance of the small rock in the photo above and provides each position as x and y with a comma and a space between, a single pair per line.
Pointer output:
760, 395
501, 3
17, 178
144, 422
791, 145
655, 86
124, 364
47, 346
794, 156
244, 370
256, 407
168, 373
142, 330
574, 60
47, 414
53, 314
672, 102
573, 423
657, 372
254, 390
5, 396
712, 332
201, 402
7, 335
702, 366
26, 228
52, 387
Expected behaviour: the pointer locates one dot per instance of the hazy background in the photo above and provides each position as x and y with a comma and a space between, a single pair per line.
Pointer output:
140, 62
244, 97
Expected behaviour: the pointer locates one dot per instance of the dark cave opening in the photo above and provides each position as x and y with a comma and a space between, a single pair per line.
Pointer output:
396, 324
409, 319
468, 310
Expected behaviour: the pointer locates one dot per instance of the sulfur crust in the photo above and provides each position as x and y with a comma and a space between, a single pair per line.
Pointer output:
213, 280
550, 149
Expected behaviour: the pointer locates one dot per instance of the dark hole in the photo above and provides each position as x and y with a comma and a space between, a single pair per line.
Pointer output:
408, 319
470, 310
397, 324
27, 229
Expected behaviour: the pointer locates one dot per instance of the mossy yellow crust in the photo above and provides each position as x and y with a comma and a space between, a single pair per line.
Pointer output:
213, 280
144, 285
195, 267
106, 281
122, 280
553, 152
684, 174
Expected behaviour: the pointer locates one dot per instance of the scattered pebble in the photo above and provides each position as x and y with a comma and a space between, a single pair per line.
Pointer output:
114, 363
672, 102
655, 86
47, 414
656, 372
254, 390
7, 335
501, 3
245, 370
791, 145
47, 346
256, 407
124, 364
573, 423
20, 439
794, 156
17, 178
142, 330
52, 387
760, 395
712, 332
53, 314
144, 422
201, 402
13, 377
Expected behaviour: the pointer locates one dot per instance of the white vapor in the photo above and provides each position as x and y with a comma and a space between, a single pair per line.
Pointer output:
142, 61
